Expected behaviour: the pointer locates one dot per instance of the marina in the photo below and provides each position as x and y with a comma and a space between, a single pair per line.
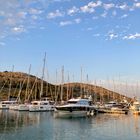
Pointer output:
69, 70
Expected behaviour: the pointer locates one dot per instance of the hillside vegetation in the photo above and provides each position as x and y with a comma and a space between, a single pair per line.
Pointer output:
26, 87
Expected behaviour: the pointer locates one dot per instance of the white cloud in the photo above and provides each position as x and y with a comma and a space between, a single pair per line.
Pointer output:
17, 30
123, 6
112, 36
72, 11
14, 13
124, 16
90, 7
86, 9
94, 4
35, 11
104, 14
68, 22
108, 6
132, 36
55, 14
77, 20
64, 23
137, 5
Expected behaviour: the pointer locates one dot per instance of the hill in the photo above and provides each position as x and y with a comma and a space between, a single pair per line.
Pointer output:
28, 87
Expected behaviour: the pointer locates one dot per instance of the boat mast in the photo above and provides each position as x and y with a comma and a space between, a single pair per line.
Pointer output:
9, 94
56, 95
41, 91
62, 82
68, 87
27, 87
81, 81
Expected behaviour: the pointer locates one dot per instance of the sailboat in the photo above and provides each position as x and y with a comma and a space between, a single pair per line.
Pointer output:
42, 104
6, 104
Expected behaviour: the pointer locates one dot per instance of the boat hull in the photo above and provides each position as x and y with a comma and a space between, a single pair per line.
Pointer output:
70, 114
113, 111
23, 107
136, 112
4, 106
40, 108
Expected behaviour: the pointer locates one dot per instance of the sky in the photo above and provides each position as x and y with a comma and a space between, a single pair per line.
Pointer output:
101, 38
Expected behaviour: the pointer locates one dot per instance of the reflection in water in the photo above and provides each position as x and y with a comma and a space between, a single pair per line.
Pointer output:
12, 120
43, 126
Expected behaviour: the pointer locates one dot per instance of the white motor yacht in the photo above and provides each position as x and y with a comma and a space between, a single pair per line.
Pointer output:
74, 108
37, 106
7, 104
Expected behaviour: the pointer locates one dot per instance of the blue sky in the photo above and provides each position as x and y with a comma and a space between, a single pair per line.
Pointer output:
101, 36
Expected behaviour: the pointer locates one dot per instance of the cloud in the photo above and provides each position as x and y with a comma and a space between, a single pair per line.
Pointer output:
35, 11
86, 9
123, 6
64, 23
111, 35
18, 30
68, 22
132, 36
55, 14
77, 20
104, 14
96, 35
90, 7
137, 5
17, 17
108, 6
95, 4
124, 16
72, 11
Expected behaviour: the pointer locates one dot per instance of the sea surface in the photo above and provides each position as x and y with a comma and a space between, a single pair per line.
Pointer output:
44, 126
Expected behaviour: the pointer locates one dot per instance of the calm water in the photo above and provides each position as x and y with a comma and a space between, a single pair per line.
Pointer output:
43, 126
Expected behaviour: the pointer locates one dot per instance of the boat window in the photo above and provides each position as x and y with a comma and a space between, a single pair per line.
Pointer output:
72, 102
83, 102
35, 103
8, 102
44, 103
